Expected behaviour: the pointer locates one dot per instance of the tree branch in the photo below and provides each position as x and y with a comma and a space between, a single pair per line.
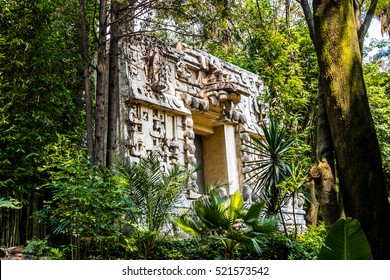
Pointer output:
366, 24
259, 11
309, 18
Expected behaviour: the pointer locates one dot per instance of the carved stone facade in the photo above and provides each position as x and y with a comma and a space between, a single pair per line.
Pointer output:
189, 107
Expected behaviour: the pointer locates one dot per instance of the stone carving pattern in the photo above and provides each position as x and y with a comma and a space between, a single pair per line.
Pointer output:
189, 148
182, 72
155, 68
200, 81
135, 142
158, 135
167, 149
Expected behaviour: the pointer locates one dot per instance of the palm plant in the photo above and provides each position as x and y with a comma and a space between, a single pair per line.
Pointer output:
292, 186
269, 167
154, 193
226, 219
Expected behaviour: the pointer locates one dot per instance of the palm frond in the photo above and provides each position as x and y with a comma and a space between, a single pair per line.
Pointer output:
236, 205
212, 210
190, 224
153, 191
269, 167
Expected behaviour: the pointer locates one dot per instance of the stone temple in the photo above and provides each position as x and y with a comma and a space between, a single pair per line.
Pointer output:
190, 108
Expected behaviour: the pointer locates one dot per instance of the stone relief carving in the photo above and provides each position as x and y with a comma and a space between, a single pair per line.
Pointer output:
155, 72
173, 150
140, 125
180, 81
158, 132
184, 79
135, 141
194, 58
189, 149
182, 72
159, 82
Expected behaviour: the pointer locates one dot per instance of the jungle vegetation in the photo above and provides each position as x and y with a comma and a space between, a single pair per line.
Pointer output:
61, 187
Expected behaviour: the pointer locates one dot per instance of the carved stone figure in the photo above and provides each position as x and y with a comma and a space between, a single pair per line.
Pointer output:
155, 70
158, 134
181, 70
247, 194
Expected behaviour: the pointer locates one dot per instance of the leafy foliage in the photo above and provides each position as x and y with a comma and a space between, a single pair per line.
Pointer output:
225, 219
87, 206
377, 79
38, 97
183, 249
154, 193
38, 249
9, 203
275, 247
269, 167
194, 22
346, 241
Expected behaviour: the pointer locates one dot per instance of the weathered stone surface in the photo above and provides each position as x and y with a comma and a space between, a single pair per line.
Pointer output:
171, 94
192, 109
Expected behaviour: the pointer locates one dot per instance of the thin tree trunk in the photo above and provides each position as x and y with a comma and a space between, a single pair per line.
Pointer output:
294, 218
100, 88
259, 12
363, 28
113, 86
309, 19
279, 209
288, 14
86, 78
352, 129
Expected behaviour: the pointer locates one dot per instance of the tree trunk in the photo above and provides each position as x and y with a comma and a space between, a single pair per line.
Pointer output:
86, 78
288, 14
352, 129
100, 87
312, 212
324, 168
113, 86
326, 190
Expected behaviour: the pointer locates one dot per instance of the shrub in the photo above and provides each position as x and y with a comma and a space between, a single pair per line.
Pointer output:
154, 193
183, 249
227, 220
38, 249
277, 247
305, 247
87, 206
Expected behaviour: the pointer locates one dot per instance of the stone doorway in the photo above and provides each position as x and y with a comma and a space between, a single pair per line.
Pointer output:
217, 157
200, 179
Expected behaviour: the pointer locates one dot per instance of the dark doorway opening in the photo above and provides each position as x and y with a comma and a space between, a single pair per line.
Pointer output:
200, 181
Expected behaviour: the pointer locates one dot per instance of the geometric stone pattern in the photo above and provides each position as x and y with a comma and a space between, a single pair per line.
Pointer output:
168, 95
162, 88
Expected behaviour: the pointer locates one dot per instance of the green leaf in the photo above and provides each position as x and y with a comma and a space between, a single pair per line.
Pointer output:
254, 211
346, 241
236, 204
187, 225
10, 203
